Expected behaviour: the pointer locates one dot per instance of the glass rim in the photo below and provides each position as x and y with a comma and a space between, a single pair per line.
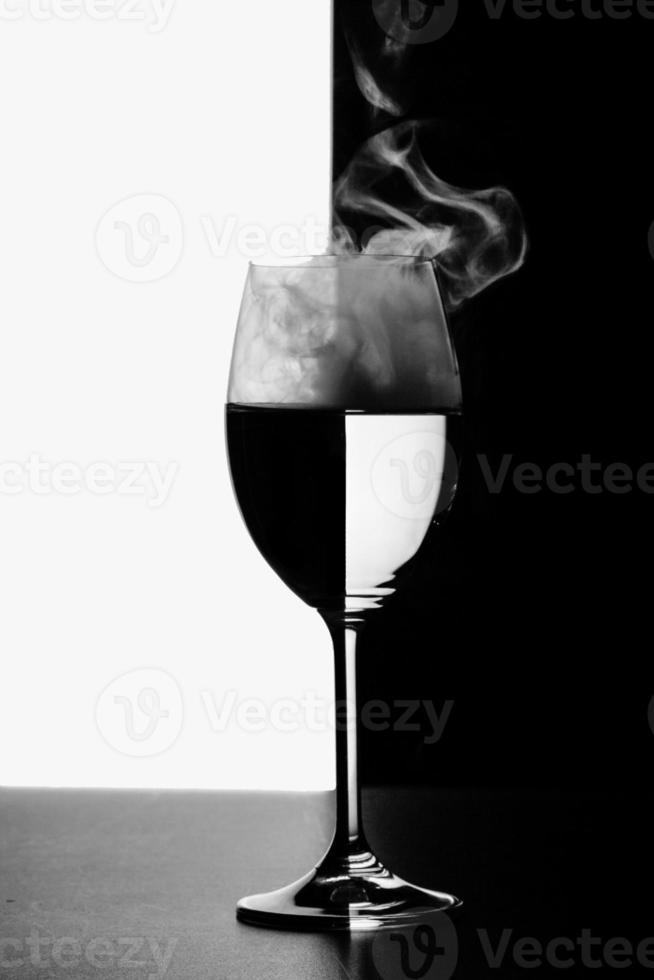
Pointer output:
330, 259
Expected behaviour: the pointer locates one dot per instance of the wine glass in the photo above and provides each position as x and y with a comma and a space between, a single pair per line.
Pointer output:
343, 406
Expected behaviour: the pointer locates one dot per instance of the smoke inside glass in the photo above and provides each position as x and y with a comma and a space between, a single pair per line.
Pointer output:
352, 331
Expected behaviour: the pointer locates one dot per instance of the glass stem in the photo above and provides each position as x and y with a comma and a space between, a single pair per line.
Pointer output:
349, 847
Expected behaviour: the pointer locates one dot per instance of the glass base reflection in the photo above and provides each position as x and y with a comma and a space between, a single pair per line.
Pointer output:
354, 895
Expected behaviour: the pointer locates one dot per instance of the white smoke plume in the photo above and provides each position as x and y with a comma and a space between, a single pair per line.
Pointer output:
475, 236
368, 81
364, 326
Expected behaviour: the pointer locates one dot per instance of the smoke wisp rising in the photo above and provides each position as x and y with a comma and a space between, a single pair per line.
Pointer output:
475, 237
364, 326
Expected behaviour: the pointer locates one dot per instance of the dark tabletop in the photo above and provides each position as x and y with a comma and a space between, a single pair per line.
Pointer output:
143, 884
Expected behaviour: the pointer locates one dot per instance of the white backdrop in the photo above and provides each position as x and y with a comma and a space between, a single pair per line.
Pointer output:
144, 641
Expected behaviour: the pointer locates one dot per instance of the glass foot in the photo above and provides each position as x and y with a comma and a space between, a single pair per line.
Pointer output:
356, 895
